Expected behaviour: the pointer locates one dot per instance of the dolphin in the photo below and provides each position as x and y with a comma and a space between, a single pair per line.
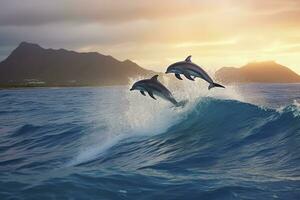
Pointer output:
153, 86
189, 69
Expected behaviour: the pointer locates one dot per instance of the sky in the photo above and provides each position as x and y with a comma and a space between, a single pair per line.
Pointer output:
155, 33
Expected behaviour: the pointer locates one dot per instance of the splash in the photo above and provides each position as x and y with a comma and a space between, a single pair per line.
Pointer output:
294, 108
136, 115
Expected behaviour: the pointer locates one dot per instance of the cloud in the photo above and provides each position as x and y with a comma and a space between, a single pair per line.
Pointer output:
41, 12
37, 12
156, 32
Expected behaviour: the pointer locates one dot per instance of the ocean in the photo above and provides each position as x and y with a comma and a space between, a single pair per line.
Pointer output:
242, 142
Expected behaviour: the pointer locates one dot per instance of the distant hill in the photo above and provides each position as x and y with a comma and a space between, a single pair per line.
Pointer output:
260, 72
31, 65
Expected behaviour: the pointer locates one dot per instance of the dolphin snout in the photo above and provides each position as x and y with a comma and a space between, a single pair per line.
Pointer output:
133, 88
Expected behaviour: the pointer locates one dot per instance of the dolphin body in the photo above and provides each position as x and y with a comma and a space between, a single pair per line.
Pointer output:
153, 86
189, 69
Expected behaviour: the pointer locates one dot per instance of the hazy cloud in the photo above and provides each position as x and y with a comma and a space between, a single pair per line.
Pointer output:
153, 33
38, 12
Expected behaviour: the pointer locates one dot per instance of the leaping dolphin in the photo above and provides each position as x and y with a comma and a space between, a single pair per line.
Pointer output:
189, 69
153, 86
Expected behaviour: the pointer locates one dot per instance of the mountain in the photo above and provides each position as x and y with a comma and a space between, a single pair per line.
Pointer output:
31, 65
260, 72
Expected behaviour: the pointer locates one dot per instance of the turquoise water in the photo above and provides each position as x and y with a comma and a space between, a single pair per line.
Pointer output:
109, 143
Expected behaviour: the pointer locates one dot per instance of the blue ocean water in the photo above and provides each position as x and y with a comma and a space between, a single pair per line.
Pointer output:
108, 143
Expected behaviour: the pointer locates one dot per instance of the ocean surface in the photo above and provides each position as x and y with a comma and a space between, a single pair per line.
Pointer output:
242, 142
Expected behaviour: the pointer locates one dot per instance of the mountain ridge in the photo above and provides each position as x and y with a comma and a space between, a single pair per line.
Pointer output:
32, 65
257, 72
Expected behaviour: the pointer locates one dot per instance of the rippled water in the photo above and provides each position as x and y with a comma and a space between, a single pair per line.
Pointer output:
108, 143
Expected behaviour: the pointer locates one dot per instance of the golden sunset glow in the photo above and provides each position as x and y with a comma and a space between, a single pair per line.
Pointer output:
216, 33
156, 33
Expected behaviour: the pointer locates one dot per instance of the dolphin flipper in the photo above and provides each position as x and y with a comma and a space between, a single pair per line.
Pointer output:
188, 76
142, 92
178, 76
151, 95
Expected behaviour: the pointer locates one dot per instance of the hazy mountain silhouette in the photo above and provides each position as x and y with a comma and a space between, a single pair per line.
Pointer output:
260, 72
30, 64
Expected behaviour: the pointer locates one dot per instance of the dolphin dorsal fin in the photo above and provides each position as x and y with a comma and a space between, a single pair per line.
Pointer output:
188, 59
154, 77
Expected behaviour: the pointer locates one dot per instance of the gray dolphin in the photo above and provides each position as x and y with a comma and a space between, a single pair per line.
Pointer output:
189, 69
153, 86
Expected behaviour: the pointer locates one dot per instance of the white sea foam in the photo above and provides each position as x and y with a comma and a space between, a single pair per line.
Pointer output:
137, 115
131, 115
294, 108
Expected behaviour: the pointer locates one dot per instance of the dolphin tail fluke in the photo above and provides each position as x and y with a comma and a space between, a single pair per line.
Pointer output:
212, 85
181, 103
